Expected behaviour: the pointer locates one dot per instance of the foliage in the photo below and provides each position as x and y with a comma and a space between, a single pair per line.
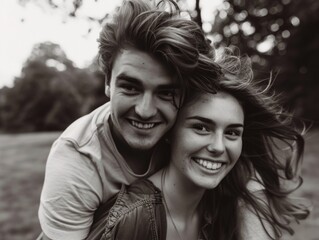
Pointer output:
280, 36
50, 93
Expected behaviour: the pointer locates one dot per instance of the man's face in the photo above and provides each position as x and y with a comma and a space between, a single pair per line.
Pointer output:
141, 92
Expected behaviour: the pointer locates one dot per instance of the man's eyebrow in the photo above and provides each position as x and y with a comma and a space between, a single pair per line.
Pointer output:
209, 121
128, 78
125, 77
169, 86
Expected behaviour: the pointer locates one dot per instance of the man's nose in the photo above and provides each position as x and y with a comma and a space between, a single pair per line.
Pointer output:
145, 108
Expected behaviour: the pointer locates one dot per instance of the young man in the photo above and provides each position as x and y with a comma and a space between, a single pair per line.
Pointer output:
151, 58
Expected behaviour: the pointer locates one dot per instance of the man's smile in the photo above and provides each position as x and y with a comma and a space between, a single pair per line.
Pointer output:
141, 125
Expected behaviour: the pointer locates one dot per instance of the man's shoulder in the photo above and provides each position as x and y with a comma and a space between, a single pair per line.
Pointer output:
86, 127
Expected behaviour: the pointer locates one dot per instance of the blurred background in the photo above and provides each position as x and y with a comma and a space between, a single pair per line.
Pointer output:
49, 76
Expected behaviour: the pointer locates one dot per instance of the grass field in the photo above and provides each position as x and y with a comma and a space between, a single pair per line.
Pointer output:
22, 164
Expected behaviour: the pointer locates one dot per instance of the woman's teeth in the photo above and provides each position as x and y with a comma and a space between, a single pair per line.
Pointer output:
208, 164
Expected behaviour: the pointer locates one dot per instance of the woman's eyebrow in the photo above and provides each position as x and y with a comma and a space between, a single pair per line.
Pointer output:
237, 125
202, 119
209, 121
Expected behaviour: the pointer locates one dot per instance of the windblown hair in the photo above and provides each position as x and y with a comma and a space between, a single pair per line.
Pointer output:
160, 30
268, 132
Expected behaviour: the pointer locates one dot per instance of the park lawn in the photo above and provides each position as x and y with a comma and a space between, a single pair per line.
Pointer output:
22, 165
309, 229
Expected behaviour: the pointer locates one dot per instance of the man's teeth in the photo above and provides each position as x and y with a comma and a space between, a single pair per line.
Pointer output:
143, 125
208, 164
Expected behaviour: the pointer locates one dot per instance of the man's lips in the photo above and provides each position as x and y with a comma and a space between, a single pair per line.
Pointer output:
143, 125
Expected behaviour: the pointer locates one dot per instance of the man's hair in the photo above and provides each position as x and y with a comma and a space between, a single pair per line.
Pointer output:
159, 30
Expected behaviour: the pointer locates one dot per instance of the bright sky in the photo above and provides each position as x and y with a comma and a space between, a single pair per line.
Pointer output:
22, 27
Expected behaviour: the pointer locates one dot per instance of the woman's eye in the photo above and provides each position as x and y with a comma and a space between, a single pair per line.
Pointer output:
201, 128
233, 133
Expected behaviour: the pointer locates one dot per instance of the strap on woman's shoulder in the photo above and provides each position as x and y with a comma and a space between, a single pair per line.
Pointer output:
100, 216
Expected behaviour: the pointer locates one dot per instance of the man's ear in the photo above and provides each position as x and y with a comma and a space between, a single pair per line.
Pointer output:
107, 87
107, 91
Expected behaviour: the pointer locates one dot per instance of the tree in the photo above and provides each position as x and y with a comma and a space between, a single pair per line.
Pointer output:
49, 94
280, 36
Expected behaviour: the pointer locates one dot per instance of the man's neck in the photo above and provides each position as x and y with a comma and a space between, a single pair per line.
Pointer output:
137, 160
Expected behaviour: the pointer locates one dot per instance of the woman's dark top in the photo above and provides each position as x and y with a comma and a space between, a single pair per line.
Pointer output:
136, 212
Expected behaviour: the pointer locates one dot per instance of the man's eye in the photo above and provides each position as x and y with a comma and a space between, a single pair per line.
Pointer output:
167, 94
129, 88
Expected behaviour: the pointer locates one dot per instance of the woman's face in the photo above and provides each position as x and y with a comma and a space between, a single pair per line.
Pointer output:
207, 139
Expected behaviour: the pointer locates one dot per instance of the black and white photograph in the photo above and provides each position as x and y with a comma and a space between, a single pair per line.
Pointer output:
159, 120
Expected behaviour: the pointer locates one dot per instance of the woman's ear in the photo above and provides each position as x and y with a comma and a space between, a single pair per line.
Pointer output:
167, 137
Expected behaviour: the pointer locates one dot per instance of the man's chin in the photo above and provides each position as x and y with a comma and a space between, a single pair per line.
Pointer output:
142, 144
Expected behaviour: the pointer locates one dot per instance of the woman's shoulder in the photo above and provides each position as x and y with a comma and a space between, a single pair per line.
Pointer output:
255, 183
134, 203
132, 198
255, 187
142, 187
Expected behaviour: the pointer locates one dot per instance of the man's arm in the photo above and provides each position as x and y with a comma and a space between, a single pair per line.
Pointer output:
71, 193
45, 237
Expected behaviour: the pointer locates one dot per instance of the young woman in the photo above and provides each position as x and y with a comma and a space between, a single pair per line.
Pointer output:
226, 173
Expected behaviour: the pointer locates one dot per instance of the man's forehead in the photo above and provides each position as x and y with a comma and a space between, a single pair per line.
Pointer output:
141, 67
136, 78
132, 56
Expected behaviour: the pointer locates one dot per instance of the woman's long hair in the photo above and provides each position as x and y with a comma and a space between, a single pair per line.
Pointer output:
269, 133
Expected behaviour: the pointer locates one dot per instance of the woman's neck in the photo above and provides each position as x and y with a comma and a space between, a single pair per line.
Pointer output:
181, 200
181, 195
